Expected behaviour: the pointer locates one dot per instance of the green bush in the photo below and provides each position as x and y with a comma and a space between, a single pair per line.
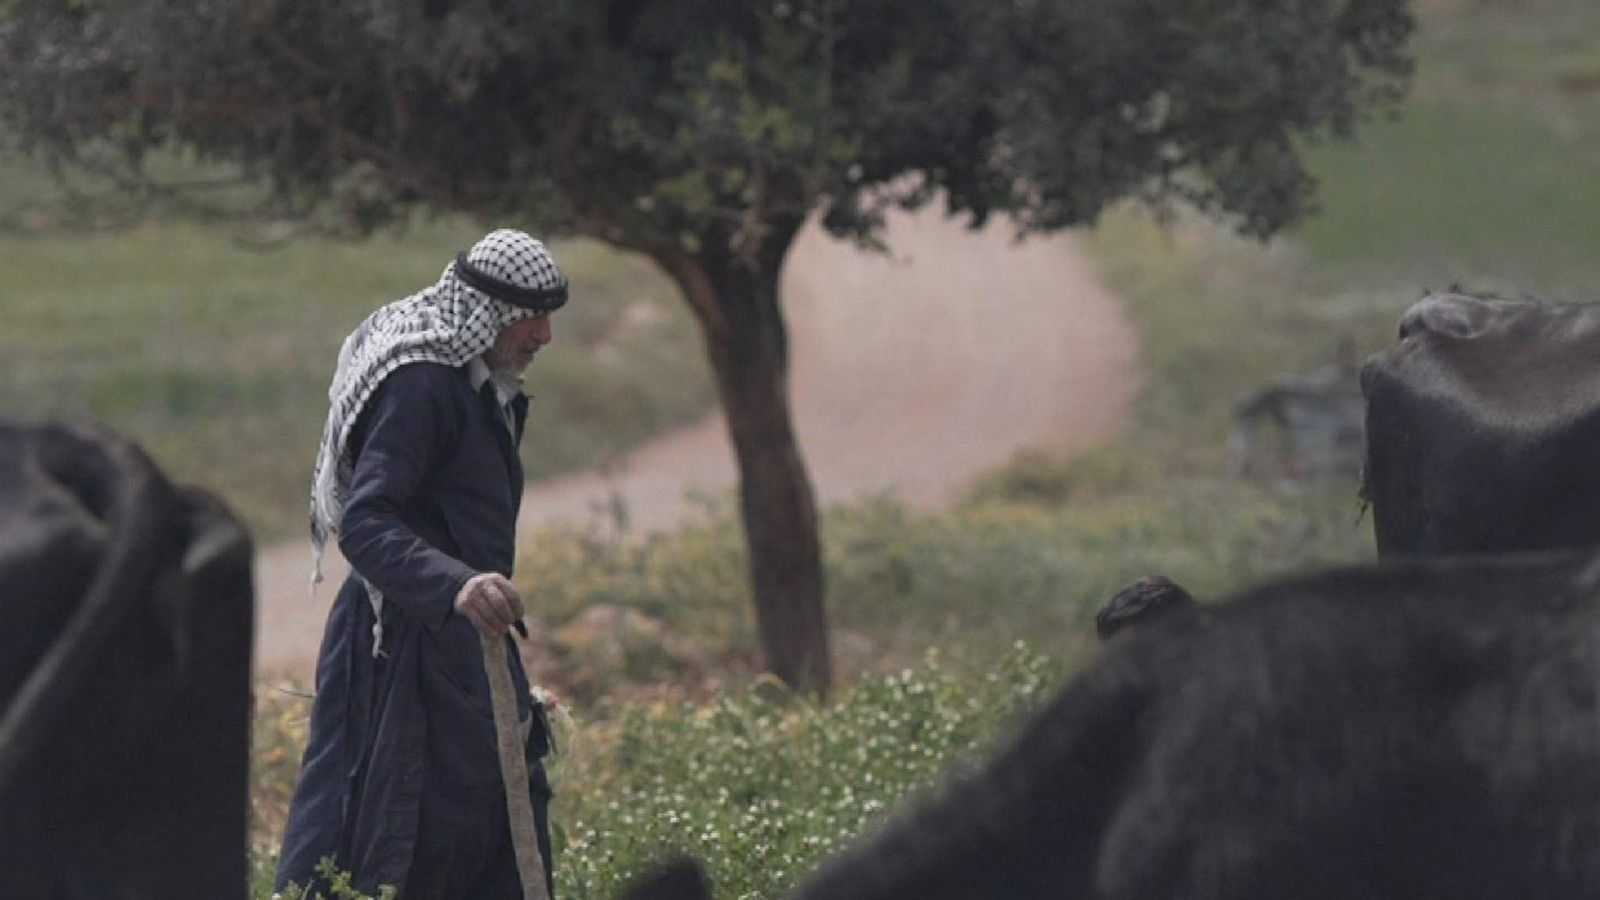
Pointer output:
980, 577
694, 574
761, 785
338, 881
986, 575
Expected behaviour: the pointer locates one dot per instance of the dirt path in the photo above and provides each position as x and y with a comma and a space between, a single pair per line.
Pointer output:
911, 373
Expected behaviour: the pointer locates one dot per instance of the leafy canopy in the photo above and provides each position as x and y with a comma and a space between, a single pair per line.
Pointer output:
678, 122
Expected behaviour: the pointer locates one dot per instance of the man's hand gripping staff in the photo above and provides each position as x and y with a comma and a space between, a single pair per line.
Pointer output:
491, 603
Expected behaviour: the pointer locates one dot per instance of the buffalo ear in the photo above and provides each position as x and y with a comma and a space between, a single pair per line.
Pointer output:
678, 879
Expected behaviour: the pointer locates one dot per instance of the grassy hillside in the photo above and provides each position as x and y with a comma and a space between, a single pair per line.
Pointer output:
217, 357
1489, 174
1480, 194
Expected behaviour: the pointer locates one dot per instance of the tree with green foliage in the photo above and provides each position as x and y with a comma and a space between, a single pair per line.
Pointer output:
703, 133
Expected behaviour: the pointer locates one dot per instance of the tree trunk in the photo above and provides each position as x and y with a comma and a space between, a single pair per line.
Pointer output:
743, 327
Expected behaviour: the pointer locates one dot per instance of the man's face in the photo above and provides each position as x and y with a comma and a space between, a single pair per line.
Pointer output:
516, 344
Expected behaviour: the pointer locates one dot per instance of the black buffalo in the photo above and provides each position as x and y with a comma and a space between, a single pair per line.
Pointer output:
125, 629
1483, 428
1422, 729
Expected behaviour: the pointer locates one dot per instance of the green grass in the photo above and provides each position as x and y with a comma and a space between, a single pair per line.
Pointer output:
1480, 194
1488, 175
980, 577
771, 771
1219, 317
217, 358
1537, 55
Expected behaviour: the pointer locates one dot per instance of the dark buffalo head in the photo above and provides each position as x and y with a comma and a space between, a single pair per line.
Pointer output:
1483, 427
125, 632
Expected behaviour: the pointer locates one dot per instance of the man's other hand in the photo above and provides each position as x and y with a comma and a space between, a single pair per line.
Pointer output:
490, 603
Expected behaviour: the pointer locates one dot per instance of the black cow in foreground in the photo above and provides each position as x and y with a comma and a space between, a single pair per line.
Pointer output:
125, 630
1421, 729
1483, 428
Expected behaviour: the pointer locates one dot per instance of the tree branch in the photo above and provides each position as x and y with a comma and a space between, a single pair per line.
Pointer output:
260, 20
698, 289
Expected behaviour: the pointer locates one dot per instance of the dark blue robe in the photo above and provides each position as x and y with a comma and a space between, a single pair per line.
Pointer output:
433, 501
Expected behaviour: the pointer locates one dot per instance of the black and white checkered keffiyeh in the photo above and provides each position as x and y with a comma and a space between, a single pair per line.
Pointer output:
450, 323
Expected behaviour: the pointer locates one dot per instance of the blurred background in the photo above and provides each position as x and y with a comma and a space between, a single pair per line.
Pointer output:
1001, 434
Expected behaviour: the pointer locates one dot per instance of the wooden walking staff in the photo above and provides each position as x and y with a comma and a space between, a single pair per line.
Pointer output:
513, 768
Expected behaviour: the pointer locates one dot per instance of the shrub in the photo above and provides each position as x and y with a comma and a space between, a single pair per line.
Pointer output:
339, 888
979, 577
760, 784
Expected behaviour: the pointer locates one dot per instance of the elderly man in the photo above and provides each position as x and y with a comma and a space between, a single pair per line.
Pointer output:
418, 478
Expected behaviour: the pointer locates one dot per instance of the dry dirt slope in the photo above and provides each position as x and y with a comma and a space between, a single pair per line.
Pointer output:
913, 372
